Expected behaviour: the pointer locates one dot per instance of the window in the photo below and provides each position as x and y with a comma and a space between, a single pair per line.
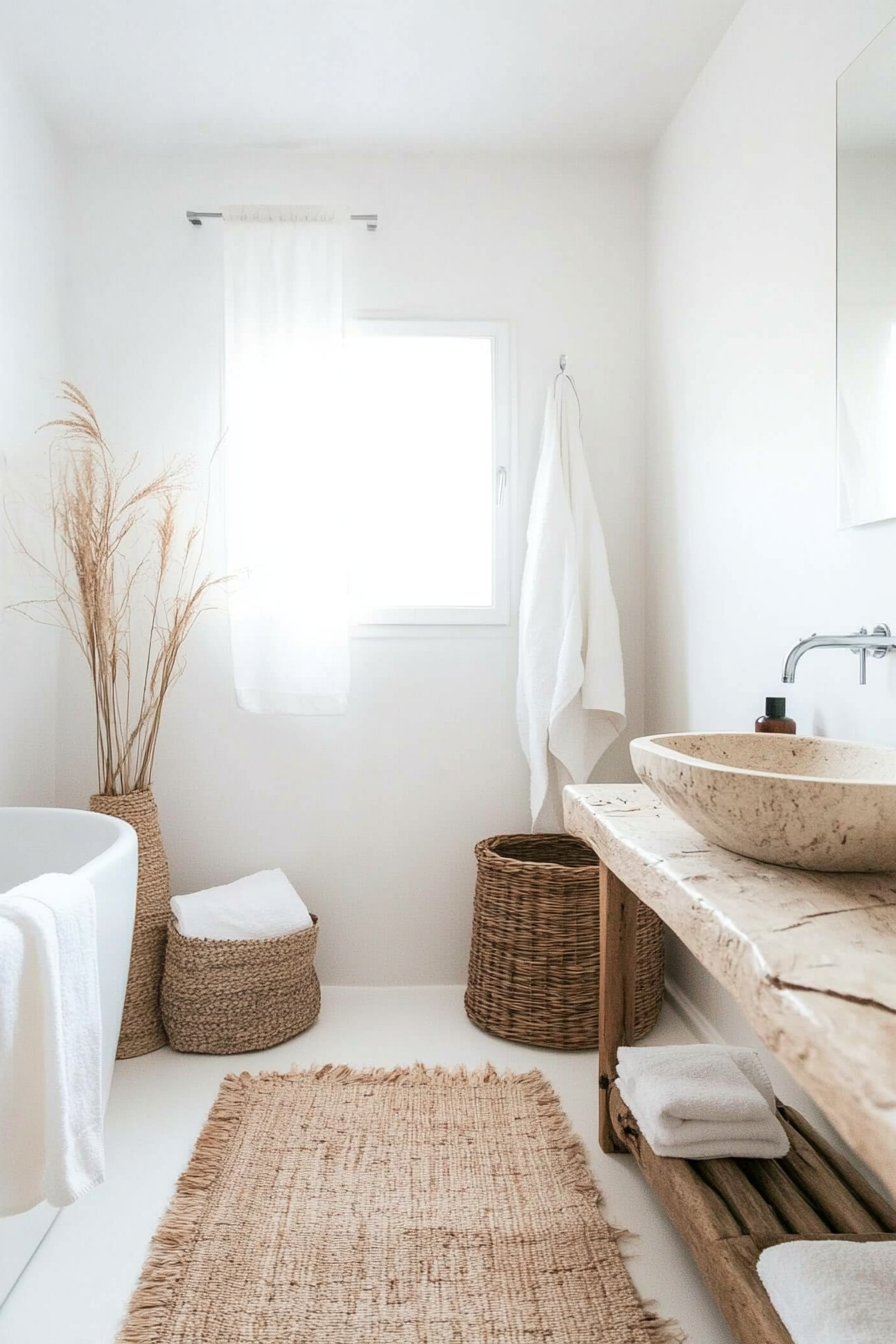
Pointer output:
429, 412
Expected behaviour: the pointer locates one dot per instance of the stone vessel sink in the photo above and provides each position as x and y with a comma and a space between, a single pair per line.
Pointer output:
805, 802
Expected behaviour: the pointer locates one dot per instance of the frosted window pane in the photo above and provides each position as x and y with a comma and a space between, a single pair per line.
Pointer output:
421, 435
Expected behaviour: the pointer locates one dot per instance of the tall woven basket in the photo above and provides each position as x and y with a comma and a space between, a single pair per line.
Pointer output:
141, 1022
535, 955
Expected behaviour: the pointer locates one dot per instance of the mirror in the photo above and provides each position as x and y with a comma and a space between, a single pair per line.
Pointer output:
866, 285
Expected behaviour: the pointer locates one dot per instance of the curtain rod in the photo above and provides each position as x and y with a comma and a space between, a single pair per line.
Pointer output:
197, 216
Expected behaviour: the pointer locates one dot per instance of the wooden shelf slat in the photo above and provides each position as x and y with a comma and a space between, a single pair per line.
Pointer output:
876, 1204
796, 1213
743, 1199
823, 1186
728, 1210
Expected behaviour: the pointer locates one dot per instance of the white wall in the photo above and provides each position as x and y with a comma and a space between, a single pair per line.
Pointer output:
743, 555
30, 231
375, 814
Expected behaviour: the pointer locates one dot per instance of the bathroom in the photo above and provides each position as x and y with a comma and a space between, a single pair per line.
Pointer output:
670, 227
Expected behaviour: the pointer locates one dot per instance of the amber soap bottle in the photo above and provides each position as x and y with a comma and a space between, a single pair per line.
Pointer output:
775, 720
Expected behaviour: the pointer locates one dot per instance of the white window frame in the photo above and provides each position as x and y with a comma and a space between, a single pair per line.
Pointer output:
409, 620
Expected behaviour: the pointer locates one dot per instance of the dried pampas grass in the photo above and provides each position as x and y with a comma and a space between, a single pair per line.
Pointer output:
125, 585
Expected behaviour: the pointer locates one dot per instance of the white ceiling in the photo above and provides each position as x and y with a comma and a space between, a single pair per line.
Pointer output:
363, 74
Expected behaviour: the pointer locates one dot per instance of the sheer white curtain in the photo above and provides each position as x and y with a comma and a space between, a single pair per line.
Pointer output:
283, 466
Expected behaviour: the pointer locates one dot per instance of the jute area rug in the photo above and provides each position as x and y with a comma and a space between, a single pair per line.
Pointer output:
417, 1206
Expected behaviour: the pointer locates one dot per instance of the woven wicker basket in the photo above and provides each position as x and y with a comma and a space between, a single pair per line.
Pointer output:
141, 1021
223, 996
535, 956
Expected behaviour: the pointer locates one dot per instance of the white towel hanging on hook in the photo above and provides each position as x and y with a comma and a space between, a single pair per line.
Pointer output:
570, 687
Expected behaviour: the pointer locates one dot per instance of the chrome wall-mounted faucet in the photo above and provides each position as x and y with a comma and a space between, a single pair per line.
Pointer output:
878, 644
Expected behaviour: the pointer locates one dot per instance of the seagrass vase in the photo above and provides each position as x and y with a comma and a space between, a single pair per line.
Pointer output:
141, 1022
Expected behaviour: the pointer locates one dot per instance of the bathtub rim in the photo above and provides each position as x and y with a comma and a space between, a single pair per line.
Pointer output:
125, 837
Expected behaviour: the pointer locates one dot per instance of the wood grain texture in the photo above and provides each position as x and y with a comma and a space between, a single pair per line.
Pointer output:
809, 957
835, 1201
616, 1026
791, 1206
883, 1212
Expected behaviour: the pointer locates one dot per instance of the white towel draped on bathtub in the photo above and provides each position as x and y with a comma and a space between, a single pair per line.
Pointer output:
51, 1105
570, 688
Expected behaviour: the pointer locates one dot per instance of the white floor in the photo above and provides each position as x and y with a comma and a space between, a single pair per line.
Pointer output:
77, 1286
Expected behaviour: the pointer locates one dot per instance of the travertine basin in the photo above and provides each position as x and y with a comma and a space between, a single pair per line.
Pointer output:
805, 802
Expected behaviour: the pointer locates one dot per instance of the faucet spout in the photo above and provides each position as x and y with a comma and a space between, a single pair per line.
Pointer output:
878, 643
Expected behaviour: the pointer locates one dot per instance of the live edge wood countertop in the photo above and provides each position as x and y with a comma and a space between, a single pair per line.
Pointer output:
809, 957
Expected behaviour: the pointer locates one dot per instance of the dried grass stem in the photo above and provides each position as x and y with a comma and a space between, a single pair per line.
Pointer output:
128, 599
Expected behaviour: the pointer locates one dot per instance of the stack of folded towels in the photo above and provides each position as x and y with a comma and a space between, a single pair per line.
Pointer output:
701, 1101
833, 1292
264, 905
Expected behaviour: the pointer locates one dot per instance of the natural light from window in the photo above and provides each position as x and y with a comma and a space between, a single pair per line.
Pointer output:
422, 462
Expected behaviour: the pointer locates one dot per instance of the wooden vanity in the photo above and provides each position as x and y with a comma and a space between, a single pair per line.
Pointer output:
810, 958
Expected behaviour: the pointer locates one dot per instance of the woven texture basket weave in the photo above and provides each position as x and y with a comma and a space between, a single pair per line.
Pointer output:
141, 1020
535, 956
223, 996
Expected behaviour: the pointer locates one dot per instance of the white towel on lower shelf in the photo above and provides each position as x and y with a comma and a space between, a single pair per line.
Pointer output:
51, 1066
264, 905
833, 1292
701, 1101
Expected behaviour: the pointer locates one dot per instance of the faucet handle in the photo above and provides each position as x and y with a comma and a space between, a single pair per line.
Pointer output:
863, 657
881, 630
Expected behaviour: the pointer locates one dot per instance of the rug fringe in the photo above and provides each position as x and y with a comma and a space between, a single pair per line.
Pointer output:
410, 1075
156, 1290
563, 1139
662, 1330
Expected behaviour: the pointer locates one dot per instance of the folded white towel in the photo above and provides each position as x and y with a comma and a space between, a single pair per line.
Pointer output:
51, 1104
833, 1292
264, 905
701, 1101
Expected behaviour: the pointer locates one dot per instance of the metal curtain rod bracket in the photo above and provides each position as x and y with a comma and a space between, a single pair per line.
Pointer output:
197, 216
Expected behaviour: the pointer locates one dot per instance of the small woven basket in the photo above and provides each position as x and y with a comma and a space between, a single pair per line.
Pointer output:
223, 996
535, 955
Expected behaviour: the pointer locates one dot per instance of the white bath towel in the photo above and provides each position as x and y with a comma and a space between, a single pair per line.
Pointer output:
833, 1292
701, 1101
570, 685
264, 905
51, 1093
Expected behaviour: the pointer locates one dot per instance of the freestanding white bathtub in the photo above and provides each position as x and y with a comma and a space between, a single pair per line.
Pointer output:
35, 840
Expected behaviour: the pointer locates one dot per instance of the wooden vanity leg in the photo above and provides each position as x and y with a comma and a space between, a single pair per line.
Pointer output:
618, 929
